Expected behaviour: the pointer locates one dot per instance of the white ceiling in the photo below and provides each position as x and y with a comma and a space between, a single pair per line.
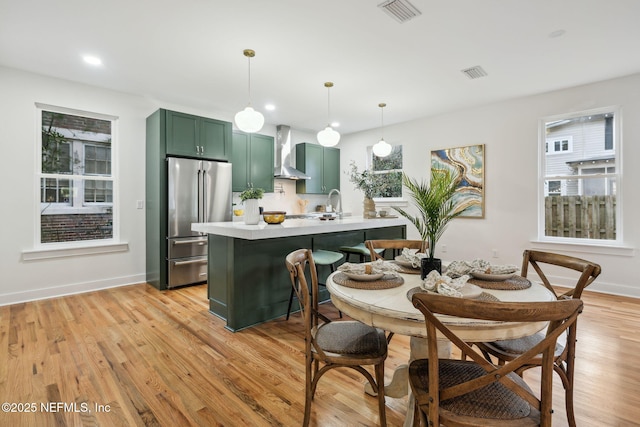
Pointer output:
189, 52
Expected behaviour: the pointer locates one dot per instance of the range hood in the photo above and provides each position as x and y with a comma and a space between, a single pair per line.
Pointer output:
283, 167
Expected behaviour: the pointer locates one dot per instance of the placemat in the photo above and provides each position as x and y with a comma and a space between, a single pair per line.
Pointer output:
387, 281
485, 296
393, 265
512, 284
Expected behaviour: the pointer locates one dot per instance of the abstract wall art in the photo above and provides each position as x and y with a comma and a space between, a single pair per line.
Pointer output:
468, 162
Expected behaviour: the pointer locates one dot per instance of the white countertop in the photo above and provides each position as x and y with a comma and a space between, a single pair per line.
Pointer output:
294, 227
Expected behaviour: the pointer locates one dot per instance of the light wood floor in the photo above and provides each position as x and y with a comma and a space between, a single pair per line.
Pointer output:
160, 358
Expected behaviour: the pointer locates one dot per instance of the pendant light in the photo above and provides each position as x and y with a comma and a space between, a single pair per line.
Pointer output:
328, 137
382, 148
249, 120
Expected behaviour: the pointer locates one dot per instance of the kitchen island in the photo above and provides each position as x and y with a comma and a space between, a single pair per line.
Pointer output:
247, 279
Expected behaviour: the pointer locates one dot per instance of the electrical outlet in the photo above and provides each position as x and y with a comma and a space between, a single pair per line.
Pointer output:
443, 248
494, 252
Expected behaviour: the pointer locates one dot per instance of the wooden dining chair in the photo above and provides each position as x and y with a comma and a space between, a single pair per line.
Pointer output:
374, 246
564, 359
476, 392
340, 344
322, 258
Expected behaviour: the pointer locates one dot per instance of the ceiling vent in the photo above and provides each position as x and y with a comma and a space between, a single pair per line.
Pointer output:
475, 72
400, 10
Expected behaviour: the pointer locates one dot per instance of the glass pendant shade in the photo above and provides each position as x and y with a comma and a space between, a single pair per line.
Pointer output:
328, 137
382, 148
249, 120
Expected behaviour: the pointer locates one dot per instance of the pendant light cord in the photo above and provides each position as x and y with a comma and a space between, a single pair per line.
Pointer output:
382, 120
249, 85
328, 106
328, 85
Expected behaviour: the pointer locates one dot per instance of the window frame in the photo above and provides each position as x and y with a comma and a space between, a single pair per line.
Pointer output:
617, 176
396, 201
84, 207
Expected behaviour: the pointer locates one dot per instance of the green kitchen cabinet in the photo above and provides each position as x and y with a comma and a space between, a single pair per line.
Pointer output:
170, 133
193, 136
252, 160
322, 164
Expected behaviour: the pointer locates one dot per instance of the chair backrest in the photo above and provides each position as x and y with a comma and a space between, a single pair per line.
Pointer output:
588, 271
559, 314
297, 262
372, 245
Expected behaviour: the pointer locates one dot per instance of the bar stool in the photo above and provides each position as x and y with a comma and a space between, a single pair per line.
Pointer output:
359, 250
320, 257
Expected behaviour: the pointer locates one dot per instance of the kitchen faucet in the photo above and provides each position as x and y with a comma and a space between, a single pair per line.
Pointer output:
335, 190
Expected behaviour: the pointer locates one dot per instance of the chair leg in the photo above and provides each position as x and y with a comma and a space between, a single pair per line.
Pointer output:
308, 392
568, 397
419, 418
381, 403
290, 302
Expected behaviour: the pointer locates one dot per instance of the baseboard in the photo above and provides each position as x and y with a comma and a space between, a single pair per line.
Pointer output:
597, 286
76, 288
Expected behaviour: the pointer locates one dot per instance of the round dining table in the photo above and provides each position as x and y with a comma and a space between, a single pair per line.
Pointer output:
391, 309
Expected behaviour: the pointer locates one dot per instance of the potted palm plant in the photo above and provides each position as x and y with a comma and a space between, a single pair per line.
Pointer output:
436, 206
250, 198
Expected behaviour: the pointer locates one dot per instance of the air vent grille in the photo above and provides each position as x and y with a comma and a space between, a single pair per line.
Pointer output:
475, 72
400, 10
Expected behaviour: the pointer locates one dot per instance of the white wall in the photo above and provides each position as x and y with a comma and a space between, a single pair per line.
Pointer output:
25, 280
509, 131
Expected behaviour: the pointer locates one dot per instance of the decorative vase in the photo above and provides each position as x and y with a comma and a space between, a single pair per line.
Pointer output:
369, 208
251, 212
427, 265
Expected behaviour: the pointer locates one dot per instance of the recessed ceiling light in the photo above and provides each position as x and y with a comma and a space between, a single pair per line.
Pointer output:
557, 33
335, 124
269, 107
92, 60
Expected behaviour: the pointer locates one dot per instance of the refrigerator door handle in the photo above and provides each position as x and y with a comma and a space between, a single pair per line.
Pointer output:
200, 193
204, 212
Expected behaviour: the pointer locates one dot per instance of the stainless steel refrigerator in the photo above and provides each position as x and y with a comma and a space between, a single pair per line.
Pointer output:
198, 191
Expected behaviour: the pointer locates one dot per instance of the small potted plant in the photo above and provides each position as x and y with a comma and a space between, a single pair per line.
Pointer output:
436, 205
250, 198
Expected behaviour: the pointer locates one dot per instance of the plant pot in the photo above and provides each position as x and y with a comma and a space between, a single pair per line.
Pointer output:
251, 212
368, 206
427, 265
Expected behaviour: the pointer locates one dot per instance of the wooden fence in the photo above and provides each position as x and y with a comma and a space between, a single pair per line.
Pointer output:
586, 217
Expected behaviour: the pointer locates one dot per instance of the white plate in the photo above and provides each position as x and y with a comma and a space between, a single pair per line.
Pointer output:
492, 277
403, 262
470, 291
363, 277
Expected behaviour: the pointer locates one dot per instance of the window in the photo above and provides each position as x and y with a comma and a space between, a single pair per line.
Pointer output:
559, 145
388, 174
76, 183
580, 200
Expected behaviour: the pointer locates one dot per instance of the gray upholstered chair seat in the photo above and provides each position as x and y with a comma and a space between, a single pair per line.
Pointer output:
351, 337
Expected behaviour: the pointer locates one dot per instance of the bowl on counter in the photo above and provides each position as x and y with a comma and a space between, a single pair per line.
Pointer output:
273, 217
